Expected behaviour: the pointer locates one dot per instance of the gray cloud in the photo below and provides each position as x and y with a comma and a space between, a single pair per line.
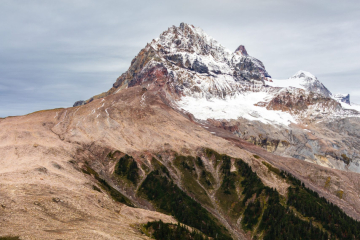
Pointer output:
53, 53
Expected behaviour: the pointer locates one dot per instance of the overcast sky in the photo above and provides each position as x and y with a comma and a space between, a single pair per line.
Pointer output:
53, 53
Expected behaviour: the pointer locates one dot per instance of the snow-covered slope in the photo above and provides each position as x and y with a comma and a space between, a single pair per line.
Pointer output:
233, 107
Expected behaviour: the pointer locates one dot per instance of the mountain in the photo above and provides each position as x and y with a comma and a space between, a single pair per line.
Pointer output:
303, 80
298, 117
190, 134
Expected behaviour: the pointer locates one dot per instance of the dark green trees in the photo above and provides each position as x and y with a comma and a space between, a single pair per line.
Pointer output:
127, 167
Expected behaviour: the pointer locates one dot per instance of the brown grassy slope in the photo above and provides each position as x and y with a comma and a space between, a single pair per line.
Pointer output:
41, 199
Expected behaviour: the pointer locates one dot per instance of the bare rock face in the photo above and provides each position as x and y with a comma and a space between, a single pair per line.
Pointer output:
241, 49
79, 103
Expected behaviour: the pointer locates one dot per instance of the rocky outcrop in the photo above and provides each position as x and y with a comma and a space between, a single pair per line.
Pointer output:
345, 98
79, 103
299, 102
241, 49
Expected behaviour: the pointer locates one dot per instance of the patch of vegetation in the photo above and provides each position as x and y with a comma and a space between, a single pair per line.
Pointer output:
186, 163
199, 162
331, 217
209, 153
327, 182
251, 183
340, 194
280, 223
263, 211
96, 188
170, 199
115, 194
256, 156
162, 231
207, 179
111, 155
187, 167
127, 167
251, 215
145, 168
227, 195
228, 183
159, 166
72, 161
9, 238
273, 219
346, 159
303, 215
273, 169
276, 222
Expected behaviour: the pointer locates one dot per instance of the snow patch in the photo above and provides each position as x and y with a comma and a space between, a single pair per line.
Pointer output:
304, 74
237, 106
350, 107
62, 119
76, 111
292, 82
101, 105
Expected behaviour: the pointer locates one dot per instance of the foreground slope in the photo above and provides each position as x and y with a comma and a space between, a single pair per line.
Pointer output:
67, 173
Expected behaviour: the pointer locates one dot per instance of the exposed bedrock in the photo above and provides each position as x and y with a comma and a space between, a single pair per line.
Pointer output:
335, 144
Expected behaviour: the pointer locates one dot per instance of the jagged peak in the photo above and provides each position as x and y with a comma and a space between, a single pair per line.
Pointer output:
188, 38
311, 83
188, 49
341, 95
304, 74
241, 49
345, 98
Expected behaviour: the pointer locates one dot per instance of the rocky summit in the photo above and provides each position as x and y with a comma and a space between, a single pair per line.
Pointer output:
193, 141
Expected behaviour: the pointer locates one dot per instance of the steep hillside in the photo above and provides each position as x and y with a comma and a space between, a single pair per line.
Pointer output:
68, 173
